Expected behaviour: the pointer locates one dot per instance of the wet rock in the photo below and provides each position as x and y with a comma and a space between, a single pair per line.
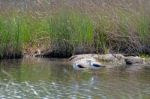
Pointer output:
100, 57
131, 60
107, 60
110, 60
111, 57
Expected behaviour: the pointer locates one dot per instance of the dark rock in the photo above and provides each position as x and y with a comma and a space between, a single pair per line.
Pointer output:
131, 60
128, 62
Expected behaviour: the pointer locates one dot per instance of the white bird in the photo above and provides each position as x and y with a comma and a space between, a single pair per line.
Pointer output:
78, 66
95, 64
81, 64
87, 64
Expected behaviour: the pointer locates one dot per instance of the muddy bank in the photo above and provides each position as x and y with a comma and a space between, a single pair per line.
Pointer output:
79, 53
105, 60
12, 55
74, 55
64, 49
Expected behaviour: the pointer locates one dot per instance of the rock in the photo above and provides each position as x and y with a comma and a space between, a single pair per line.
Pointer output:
111, 60
110, 57
101, 57
134, 60
107, 60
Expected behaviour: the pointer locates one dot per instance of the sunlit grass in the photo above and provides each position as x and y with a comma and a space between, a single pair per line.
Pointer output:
74, 28
10, 37
111, 28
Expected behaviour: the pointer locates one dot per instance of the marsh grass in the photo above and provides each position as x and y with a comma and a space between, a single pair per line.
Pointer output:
10, 37
92, 27
73, 28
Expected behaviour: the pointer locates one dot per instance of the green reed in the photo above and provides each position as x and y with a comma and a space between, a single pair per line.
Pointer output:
120, 29
74, 28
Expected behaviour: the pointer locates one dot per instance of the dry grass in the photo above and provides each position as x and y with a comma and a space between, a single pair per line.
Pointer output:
103, 25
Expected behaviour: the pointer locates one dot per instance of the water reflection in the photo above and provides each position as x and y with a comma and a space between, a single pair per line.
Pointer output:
50, 78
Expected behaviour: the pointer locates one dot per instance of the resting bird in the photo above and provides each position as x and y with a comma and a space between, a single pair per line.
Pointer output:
81, 64
94, 64
78, 66
87, 64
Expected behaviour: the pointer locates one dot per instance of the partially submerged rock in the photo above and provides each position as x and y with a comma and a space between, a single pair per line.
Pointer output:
131, 60
109, 60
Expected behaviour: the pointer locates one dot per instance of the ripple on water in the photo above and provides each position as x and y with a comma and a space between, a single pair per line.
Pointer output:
59, 81
44, 90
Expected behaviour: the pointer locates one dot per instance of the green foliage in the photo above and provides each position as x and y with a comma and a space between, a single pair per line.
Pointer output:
103, 27
120, 28
10, 35
73, 27
144, 29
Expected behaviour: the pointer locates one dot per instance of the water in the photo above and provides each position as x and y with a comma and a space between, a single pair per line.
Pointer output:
33, 78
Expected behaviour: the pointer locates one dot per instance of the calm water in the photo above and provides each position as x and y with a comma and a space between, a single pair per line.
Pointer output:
54, 79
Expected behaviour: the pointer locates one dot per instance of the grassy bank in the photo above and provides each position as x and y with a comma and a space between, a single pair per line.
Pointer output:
116, 27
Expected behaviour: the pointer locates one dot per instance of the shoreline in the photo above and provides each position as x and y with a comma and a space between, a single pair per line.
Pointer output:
70, 29
108, 61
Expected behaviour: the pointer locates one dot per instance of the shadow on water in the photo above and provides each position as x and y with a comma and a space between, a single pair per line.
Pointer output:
53, 78
35, 69
8, 69
32, 69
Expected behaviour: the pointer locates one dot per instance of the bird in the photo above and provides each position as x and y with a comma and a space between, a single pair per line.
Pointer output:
94, 64
80, 65
87, 64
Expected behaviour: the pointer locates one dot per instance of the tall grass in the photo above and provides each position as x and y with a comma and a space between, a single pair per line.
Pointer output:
10, 37
96, 26
73, 28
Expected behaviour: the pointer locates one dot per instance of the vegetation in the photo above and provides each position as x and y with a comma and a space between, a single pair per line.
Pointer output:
95, 27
